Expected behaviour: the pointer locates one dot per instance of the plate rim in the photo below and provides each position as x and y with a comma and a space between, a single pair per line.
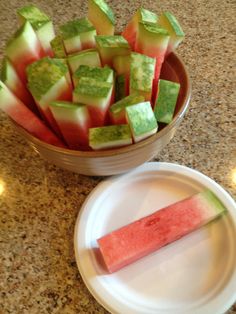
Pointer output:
148, 166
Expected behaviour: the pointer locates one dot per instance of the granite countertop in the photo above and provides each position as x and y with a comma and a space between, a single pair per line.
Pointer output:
39, 202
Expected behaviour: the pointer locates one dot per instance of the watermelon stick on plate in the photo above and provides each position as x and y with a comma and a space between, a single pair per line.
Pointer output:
101, 16
23, 49
74, 122
144, 236
41, 24
11, 79
130, 31
24, 117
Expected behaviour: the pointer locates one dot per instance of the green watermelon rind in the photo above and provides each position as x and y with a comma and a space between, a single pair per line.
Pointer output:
214, 200
141, 118
34, 15
43, 74
166, 100
91, 87
76, 27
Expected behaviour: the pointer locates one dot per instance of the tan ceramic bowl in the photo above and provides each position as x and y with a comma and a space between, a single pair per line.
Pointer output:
119, 160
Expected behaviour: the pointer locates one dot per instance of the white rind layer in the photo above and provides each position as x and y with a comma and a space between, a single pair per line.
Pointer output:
91, 58
7, 98
101, 102
112, 144
73, 44
46, 34
78, 115
57, 89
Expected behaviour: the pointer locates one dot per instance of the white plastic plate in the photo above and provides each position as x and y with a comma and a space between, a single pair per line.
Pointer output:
195, 274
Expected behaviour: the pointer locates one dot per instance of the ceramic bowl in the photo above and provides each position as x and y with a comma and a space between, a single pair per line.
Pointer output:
120, 160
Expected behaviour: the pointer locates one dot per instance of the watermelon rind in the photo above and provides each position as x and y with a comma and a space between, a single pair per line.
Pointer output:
141, 120
86, 57
101, 16
171, 24
23, 41
111, 46
40, 22
105, 74
118, 108
92, 92
166, 101
109, 136
58, 47
142, 70
78, 34
43, 74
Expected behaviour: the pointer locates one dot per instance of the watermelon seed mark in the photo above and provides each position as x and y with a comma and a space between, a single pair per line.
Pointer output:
152, 222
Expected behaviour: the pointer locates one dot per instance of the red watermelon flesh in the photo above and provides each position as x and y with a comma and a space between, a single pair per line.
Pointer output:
144, 236
23, 49
18, 112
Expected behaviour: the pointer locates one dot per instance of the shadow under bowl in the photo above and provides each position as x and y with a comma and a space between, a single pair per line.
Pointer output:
120, 160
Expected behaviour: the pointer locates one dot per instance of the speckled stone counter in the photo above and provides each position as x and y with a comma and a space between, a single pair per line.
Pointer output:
39, 202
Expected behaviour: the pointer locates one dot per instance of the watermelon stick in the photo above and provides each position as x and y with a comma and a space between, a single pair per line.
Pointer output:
58, 47
105, 74
111, 46
97, 96
78, 35
47, 82
141, 120
109, 136
121, 65
85, 57
170, 23
166, 101
146, 235
152, 40
41, 24
74, 122
142, 70
117, 110
23, 49
18, 112
101, 16
11, 79
130, 31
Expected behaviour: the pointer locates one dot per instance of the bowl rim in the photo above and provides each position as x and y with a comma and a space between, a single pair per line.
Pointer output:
124, 149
